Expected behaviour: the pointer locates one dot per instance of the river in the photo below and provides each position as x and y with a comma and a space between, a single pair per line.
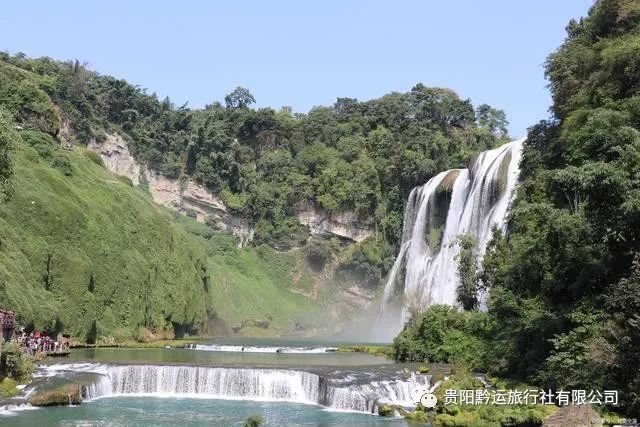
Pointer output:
221, 383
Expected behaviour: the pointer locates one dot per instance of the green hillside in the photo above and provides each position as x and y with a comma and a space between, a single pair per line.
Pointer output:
83, 251
564, 283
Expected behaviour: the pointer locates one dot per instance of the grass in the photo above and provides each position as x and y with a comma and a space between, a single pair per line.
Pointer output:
60, 233
92, 256
378, 350
8, 388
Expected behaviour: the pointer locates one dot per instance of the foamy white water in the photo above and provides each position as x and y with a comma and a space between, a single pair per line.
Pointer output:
479, 200
342, 394
261, 349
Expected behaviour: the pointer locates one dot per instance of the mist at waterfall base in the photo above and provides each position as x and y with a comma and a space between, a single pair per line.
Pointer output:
453, 203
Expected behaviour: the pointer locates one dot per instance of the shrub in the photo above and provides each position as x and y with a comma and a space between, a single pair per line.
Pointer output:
318, 251
254, 420
14, 364
206, 230
94, 157
125, 180
43, 143
143, 335
101, 136
444, 334
8, 388
235, 202
62, 163
417, 416
367, 261
385, 410
283, 235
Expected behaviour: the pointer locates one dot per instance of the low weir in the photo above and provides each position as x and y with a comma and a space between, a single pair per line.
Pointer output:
335, 390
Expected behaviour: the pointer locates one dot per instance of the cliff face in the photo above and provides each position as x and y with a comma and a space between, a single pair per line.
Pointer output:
184, 196
344, 224
191, 198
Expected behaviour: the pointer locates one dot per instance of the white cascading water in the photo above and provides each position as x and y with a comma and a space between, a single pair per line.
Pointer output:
226, 348
479, 200
344, 393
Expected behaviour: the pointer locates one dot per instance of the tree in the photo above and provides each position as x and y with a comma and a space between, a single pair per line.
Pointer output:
239, 98
444, 334
492, 119
8, 137
318, 252
467, 272
564, 282
624, 337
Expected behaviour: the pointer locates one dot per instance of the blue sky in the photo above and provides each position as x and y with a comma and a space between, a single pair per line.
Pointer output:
303, 53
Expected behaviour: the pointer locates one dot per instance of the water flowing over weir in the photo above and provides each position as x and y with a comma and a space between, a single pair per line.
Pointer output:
453, 203
261, 349
343, 391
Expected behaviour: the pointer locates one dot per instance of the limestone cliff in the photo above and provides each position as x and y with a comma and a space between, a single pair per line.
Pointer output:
194, 199
184, 196
344, 224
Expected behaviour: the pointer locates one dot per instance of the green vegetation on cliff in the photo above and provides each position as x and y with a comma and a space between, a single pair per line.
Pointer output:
354, 155
564, 284
84, 252
86, 249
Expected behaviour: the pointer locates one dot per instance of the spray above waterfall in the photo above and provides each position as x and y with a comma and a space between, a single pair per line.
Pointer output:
453, 203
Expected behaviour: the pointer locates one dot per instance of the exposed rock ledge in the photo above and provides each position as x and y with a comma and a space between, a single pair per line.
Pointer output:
185, 197
345, 224
191, 197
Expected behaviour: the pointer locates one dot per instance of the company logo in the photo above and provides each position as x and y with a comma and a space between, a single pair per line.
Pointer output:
424, 396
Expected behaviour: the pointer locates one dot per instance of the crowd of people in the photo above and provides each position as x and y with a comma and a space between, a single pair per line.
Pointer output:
34, 343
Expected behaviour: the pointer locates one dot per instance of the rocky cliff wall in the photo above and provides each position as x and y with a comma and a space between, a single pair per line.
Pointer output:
344, 224
193, 199
184, 196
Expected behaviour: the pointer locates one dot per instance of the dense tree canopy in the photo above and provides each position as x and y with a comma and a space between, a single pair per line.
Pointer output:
574, 231
564, 292
353, 155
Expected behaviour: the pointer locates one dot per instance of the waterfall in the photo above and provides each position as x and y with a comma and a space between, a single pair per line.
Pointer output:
366, 397
333, 391
261, 349
455, 202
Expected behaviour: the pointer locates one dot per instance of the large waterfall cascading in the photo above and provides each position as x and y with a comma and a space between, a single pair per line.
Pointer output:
452, 203
346, 392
